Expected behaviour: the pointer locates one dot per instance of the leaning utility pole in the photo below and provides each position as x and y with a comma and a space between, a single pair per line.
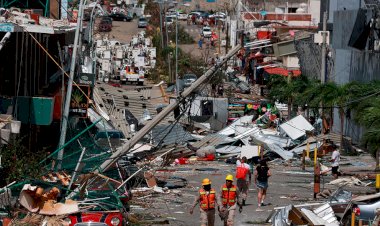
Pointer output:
65, 115
151, 124
323, 62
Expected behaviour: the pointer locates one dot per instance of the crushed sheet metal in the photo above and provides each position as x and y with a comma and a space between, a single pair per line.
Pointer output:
230, 130
286, 155
313, 218
366, 197
166, 134
229, 150
326, 213
280, 217
214, 140
5, 198
296, 127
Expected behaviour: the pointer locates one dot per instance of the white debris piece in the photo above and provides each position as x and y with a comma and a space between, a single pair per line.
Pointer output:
296, 127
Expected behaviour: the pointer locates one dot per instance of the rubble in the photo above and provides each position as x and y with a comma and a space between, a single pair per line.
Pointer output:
350, 181
35, 200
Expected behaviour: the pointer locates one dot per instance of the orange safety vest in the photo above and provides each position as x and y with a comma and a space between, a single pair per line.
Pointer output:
228, 195
207, 201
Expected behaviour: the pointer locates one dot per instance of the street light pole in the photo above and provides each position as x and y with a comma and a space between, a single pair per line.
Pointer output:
162, 33
176, 52
65, 116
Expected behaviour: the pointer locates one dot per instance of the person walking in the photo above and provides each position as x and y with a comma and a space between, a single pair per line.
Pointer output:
262, 174
243, 176
208, 200
230, 201
335, 159
200, 42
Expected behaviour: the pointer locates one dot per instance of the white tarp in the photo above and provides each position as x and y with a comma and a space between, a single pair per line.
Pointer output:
249, 151
296, 127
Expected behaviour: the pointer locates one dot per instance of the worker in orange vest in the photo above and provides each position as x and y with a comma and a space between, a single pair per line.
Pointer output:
230, 200
208, 200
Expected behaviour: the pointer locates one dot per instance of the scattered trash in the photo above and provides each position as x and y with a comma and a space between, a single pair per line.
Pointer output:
349, 181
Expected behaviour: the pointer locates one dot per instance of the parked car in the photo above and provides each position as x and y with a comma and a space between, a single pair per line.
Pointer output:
103, 218
218, 16
196, 13
206, 32
182, 16
364, 207
143, 22
106, 19
168, 20
189, 79
121, 17
105, 25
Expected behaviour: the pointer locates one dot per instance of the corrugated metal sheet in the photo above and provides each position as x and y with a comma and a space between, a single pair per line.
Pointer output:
170, 134
212, 140
115, 100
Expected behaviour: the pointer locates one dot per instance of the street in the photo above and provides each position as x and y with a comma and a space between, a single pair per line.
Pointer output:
288, 185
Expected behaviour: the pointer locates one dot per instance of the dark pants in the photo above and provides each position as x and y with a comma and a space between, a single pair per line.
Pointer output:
335, 170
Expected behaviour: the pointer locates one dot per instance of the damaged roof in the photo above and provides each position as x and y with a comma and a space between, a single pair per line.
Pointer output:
170, 134
213, 140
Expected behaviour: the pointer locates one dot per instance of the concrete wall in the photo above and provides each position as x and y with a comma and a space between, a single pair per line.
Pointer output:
314, 10
345, 21
291, 61
340, 5
350, 64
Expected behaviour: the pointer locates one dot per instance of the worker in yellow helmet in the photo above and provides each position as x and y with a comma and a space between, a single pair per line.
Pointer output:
208, 200
230, 200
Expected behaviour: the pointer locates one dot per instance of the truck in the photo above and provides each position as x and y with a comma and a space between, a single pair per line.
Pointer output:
130, 73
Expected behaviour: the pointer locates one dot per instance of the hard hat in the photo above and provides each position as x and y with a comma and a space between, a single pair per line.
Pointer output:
206, 181
230, 177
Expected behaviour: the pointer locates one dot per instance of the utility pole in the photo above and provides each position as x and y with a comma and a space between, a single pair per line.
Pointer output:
317, 175
324, 37
176, 52
220, 39
162, 33
65, 116
149, 126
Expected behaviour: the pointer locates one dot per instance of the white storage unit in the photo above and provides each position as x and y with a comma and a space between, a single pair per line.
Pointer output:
106, 66
119, 53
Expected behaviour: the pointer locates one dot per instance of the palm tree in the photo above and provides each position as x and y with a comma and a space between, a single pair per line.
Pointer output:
285, 89
367, 114
331, 95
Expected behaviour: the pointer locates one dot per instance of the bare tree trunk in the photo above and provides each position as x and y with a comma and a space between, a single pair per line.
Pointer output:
377, 159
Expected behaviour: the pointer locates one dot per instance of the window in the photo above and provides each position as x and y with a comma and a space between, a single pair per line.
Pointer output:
292, 10
207, 108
